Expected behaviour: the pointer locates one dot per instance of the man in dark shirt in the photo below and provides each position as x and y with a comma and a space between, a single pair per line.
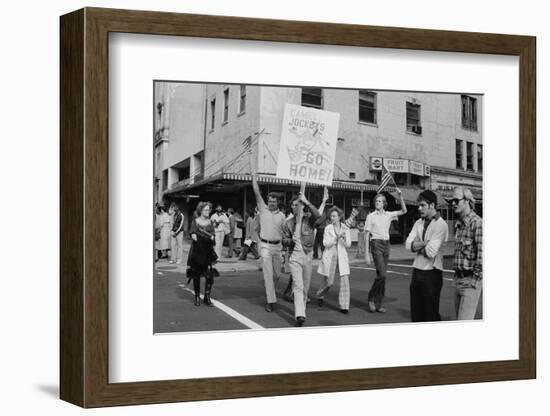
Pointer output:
299, 240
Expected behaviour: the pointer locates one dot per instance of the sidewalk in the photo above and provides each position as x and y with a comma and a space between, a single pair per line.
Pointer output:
397, 253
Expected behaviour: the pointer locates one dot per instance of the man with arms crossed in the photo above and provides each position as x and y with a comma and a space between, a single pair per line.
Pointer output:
426, 238
377, 241
271, 235
468, 255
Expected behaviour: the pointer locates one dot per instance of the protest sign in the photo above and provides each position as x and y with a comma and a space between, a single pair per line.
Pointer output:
308, 145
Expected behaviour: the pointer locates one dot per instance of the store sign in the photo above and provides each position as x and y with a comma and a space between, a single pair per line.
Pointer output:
356, 202
399, 165
375, 163
396, 165
308, 145
416, 168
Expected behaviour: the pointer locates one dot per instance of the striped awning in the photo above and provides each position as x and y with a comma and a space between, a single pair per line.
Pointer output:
272, 179
268, 179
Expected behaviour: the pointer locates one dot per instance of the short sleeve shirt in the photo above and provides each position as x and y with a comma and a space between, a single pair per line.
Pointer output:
378, 224
271, 224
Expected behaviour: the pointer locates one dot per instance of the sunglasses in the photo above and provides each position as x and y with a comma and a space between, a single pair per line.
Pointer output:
456, 200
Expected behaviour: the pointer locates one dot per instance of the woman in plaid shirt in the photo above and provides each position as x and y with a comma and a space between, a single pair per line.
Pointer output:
468, 256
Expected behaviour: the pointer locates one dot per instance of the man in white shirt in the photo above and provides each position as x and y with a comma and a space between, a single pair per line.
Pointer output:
427, 236
221, 227
177, 235
377, 241
271, 234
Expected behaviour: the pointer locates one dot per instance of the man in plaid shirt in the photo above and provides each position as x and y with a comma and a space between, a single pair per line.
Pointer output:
468, 257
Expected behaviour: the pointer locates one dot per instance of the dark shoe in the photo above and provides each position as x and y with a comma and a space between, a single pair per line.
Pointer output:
320, 302
269, 307
300, 320
207, 290
381, 310
372, 307
197, 300
207, 301
344, 311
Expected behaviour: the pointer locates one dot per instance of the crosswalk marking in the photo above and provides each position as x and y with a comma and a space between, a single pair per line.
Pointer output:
232, 313
400, 273
408, 266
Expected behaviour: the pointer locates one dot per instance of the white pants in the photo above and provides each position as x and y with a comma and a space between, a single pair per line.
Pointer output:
328, 281
271, 256
300, 267
177, 248
220, 235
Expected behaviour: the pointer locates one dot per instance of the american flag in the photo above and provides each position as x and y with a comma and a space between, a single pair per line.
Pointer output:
386, 179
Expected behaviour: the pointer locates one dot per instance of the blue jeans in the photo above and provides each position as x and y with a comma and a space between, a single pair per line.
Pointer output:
467, 293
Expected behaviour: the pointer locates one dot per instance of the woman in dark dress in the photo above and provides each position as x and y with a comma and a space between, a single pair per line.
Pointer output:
202, 254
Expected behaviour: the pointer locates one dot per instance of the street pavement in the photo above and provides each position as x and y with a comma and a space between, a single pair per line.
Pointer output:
239, 296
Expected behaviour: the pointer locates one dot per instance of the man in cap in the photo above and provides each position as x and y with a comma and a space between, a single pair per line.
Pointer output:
426, 238
468, 254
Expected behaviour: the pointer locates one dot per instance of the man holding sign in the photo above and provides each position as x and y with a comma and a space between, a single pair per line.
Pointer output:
299, 231
271, 235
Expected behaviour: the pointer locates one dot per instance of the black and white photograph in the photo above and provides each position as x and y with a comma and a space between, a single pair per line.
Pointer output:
387, 187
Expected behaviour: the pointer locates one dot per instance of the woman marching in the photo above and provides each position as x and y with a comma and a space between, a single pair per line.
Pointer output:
335, 258
202, 254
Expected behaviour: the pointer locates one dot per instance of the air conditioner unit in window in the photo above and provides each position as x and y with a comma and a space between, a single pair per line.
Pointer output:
417, 129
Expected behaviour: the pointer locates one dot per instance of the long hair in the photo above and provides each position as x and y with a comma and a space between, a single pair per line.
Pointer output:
338, 211
200, 206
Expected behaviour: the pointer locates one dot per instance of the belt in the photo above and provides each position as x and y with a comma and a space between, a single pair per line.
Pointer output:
464, 273
270, 242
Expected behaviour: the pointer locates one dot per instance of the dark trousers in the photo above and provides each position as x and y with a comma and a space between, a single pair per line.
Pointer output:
230, 244
207, 285
318, 243
425, 290
252, 249
380, 250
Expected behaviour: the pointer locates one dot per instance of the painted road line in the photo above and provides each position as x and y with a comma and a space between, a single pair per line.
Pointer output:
231, 312
370, 268
399, 273
408, 266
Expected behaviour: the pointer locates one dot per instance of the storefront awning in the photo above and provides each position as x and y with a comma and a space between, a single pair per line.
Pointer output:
269, 179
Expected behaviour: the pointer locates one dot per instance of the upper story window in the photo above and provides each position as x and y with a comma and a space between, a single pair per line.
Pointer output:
459, 164
212, 113
469, 112
225, 105
242, 101
469, 156
413, 118
480, 158
367, 107
312, 97
165, 179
